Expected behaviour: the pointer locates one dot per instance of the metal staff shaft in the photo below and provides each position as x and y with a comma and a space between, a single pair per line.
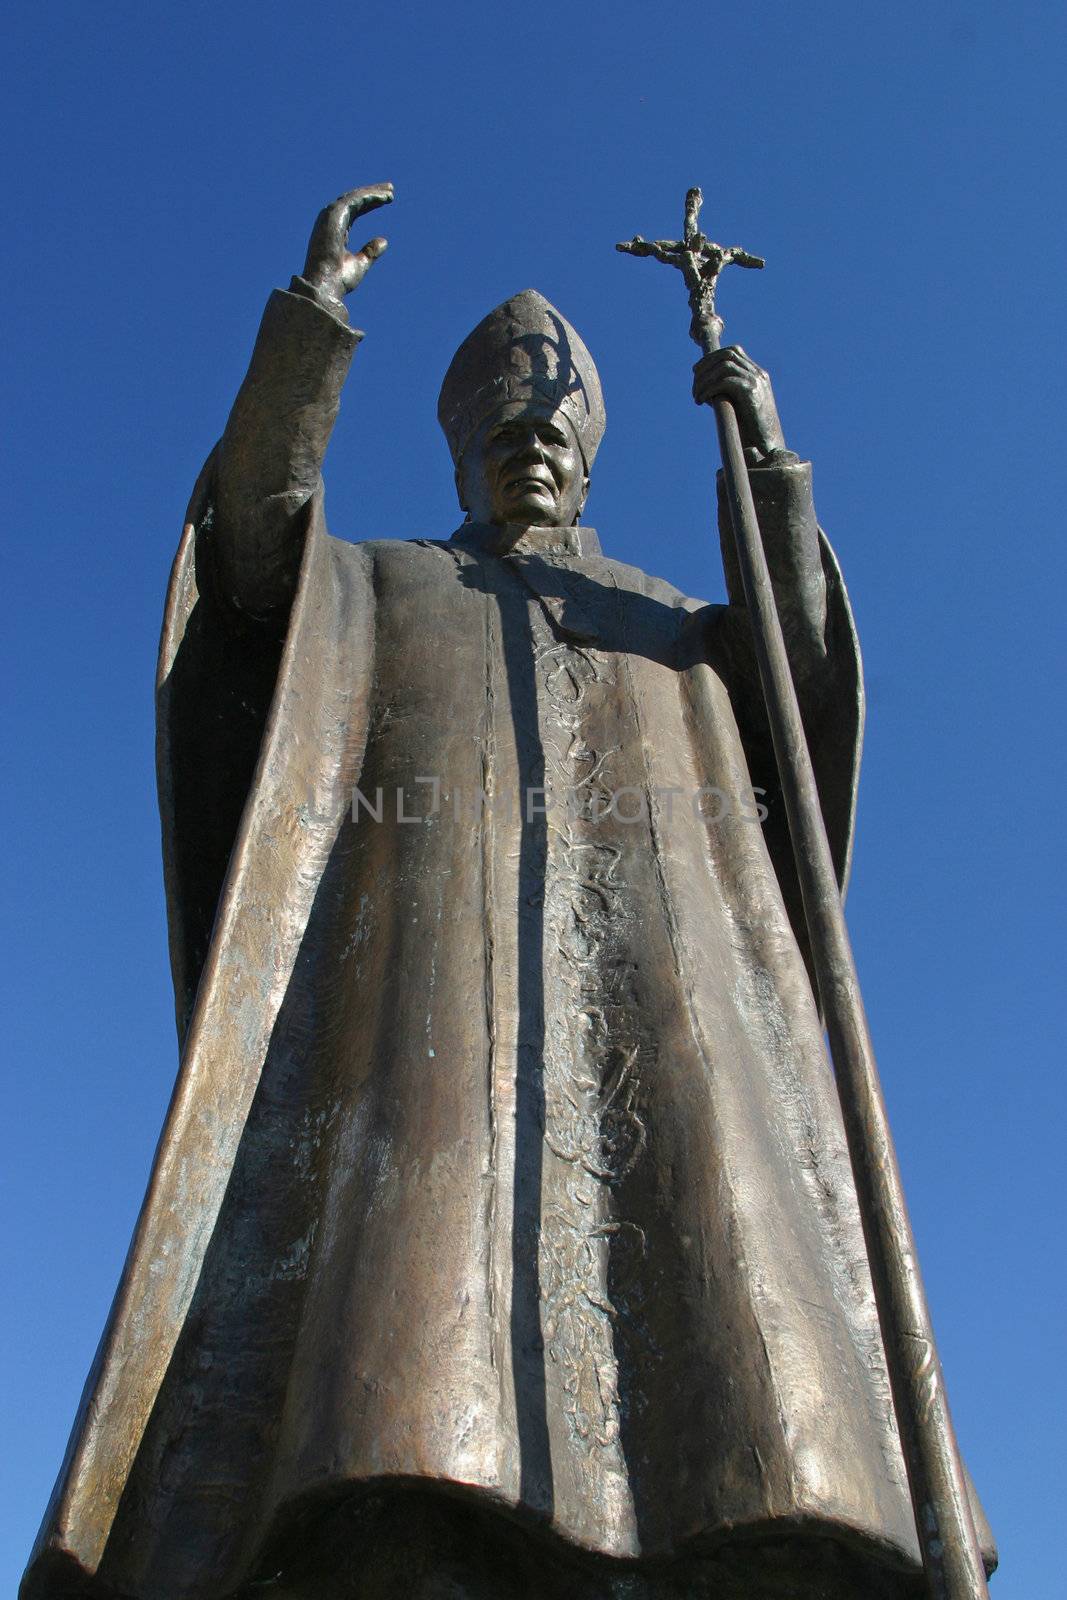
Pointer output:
952, 1561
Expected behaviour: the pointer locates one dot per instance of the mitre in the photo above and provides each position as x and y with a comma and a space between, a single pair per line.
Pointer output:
526, 352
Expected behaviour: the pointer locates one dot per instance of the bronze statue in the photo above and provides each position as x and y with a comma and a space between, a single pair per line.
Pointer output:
502, 1239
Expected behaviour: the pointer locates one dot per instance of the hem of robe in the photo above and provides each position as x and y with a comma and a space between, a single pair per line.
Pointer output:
307, 1523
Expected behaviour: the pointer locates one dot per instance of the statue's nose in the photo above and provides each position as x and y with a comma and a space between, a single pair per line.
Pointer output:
531, 448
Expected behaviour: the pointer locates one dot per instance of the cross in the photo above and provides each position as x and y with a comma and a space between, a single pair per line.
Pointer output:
700, 261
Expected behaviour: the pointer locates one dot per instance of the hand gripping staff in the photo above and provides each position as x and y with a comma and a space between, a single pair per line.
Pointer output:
951, 1559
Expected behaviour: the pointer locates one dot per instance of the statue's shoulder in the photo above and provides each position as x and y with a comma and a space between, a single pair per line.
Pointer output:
694, 627
635, 580
415, 571
390, 554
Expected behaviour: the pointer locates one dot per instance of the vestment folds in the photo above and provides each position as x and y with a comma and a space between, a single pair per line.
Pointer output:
505, 1152
505, 1155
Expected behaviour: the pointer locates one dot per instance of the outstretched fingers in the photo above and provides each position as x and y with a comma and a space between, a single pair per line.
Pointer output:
333, 221
359, 201
329, 263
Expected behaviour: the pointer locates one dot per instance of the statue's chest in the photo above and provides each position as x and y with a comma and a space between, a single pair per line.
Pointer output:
457, 639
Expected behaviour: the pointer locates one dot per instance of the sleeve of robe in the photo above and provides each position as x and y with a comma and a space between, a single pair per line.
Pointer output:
824, 655
234, 578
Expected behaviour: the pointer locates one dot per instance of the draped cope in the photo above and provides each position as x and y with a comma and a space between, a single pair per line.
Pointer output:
505, 1153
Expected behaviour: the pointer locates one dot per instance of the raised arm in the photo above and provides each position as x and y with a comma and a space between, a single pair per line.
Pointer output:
271, 454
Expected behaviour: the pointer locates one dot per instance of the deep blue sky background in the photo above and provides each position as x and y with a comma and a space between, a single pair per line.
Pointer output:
901, 167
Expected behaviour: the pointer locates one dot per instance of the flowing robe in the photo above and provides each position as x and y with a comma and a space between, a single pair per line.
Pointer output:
505, 1155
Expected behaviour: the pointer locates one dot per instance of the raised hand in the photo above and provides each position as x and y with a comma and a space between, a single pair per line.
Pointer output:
331, 268
732, 375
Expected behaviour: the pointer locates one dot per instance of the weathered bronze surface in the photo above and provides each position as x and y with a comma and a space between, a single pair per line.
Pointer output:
502, 1238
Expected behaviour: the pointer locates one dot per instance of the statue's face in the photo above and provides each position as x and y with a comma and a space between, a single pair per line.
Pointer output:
523, 466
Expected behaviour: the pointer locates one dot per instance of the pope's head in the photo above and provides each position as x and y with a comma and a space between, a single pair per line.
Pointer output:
523, 415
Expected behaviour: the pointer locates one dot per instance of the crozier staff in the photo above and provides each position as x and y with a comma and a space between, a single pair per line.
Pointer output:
502, 1232
952, 1560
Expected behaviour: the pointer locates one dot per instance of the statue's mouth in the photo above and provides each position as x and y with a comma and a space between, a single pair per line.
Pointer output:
529, 482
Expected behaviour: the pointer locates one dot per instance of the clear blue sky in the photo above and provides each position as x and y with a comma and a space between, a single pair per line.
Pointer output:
901, 168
